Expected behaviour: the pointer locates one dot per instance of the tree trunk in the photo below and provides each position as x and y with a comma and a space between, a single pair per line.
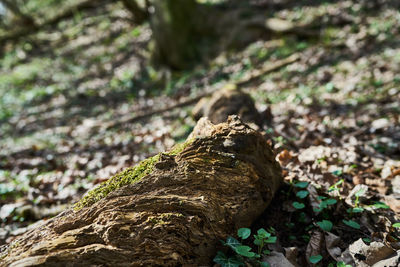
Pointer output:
180, 33
139, 15
169, 210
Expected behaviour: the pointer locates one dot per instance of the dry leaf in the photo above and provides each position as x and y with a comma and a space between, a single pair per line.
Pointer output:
331, 242
284, 157
368, 255
315, 245
277, 259
291, 254
313, 198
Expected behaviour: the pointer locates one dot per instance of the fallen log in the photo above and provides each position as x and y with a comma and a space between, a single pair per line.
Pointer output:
170, 210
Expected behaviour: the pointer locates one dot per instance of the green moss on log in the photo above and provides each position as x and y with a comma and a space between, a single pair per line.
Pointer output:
128, 176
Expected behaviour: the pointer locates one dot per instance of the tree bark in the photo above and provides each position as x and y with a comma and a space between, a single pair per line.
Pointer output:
139, 15
180, 33
222, 179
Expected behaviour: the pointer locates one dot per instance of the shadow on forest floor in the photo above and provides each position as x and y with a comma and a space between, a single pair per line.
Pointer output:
58, 90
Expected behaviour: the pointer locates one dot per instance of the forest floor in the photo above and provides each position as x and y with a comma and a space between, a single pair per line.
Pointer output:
71, 94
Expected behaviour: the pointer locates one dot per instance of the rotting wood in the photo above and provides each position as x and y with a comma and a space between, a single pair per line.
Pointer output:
222, 179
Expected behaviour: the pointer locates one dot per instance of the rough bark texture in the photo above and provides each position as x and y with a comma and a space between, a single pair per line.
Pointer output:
139, 14
181, 33
229, 100
223, 179
187, 33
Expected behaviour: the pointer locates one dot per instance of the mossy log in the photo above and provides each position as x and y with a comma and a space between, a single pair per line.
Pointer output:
175, 214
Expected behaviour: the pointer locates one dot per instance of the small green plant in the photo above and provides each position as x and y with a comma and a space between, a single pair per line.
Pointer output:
367, 240
301, 184
325, 225
225, 261
302, 194
342, 264
380, 205
245, 253
244, 233
336, 187
315, 259
396, 225
337, 172
358, 194
329, 201
325, 203
263, 237
355, 210
352, 224
298, 205
353, 166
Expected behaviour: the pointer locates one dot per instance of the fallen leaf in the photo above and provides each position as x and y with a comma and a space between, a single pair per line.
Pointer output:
277, 259
316, 244
331, 243
284, 157
291, 254
368, 255
313, 198
393, 203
